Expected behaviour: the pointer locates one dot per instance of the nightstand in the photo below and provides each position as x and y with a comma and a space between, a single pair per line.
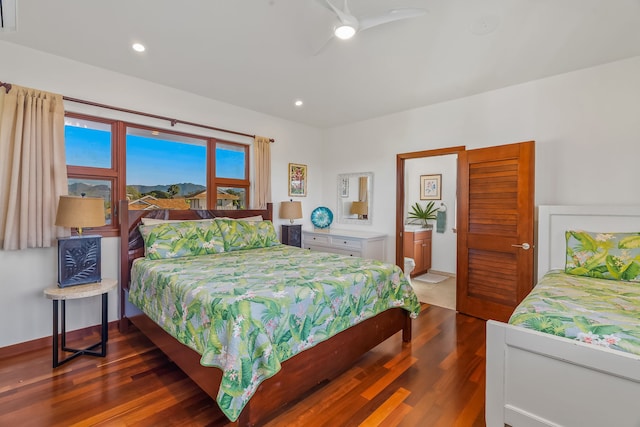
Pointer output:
76, 292
292, 235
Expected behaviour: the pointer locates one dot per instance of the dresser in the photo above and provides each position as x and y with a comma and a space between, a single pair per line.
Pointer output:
362, 244
417, 245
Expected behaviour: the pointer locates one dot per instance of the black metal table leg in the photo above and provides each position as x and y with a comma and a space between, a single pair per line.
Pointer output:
55, 333
89, 351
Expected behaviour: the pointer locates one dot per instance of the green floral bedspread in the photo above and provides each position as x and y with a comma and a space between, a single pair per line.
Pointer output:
247, 311
594, 311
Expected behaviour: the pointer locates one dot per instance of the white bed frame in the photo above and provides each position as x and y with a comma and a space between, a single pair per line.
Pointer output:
537, 379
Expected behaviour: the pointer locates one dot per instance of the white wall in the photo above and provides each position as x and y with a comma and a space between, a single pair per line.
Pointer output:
443, 245
586, 125
25, 314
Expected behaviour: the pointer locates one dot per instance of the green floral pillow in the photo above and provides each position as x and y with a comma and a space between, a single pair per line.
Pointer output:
239, 234
614, 256
179, 239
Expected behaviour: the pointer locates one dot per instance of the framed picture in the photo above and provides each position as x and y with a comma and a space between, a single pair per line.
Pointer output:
297, 180
344, 187
430, 187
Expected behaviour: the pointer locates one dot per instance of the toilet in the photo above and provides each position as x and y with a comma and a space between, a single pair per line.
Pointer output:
409, 265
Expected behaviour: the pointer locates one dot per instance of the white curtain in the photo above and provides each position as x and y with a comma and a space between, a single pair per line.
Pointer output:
262, 184
33, 171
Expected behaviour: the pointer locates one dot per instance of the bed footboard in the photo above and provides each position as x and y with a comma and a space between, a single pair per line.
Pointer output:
537, 379
298, 375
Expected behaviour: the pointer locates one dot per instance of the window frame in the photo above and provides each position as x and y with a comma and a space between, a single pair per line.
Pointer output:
105, 174
117, 173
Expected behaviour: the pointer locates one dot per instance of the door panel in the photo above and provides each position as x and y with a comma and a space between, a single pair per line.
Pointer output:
495, 212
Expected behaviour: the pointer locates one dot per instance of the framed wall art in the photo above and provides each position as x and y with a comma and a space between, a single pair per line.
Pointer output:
430, 187
297, 180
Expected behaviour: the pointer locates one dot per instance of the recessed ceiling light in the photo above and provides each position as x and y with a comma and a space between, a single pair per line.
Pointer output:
138, 47
298, 103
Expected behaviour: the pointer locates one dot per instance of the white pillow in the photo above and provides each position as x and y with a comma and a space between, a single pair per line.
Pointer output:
256, 218
156, 221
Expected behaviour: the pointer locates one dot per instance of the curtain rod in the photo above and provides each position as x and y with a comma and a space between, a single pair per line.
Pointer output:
173, 122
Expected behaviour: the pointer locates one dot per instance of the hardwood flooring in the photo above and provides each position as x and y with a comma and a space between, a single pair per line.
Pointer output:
436, 380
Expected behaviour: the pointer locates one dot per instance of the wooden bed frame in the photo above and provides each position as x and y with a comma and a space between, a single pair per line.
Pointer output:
537, 379
298, 375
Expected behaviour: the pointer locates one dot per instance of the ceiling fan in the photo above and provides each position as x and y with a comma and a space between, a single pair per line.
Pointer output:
349, 24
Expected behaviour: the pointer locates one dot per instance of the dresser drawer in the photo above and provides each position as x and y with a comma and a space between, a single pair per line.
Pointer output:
318, 239
421, 235
347, 252
314, 248
345, 242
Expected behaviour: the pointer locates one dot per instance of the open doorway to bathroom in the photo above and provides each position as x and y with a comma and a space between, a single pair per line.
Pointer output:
431, 251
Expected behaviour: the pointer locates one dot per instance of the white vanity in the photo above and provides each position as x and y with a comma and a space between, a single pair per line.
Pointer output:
364, 244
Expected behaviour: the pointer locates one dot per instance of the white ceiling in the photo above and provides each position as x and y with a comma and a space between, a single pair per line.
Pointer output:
260, 54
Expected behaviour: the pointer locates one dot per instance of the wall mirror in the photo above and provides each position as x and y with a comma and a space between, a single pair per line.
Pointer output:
355, 191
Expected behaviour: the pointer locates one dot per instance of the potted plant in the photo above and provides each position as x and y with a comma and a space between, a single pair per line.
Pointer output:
417, 212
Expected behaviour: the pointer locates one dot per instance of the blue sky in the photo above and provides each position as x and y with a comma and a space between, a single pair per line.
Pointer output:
150, 161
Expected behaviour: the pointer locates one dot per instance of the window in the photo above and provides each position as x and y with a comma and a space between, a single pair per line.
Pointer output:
231, 198
91, 162
163, 169
94, 188
88, 143
230, 160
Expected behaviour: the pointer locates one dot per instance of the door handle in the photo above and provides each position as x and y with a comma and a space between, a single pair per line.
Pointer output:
524, 246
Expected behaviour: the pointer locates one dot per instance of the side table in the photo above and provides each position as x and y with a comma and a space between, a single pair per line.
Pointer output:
292, 235
75, 292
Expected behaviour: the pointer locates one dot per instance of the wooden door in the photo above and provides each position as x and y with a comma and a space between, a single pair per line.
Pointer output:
495, 229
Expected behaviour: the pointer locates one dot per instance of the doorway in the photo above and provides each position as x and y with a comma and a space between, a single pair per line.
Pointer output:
494, 222
433, 277
430, 183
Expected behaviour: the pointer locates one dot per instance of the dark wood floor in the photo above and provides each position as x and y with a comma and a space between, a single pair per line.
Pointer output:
436, 380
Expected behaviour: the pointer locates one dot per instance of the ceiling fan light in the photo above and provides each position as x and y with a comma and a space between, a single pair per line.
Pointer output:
344, 32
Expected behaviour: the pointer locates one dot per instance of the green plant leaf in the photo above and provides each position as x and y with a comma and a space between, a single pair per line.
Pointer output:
426, 213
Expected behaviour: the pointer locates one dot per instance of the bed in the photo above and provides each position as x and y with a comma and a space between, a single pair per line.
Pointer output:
259, 356
536, 378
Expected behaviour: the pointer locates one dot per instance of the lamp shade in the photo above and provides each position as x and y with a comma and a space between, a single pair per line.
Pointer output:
359, 208
291, 210
79, 212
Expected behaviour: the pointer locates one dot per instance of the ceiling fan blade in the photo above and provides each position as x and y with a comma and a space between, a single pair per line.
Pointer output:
343, 16
324, 46
392, 15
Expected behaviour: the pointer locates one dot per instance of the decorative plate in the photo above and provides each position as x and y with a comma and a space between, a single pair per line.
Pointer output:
321, 217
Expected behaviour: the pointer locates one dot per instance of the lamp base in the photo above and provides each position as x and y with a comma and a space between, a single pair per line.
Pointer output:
79, 260
292, 235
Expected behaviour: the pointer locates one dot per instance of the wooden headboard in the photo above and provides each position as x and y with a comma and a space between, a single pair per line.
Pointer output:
132, 245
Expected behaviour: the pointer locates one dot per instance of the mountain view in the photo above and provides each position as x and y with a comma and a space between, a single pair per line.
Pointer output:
137, 191
186, 189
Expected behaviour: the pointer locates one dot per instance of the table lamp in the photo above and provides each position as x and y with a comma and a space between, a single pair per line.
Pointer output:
291, 234
79, 256
359, 208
